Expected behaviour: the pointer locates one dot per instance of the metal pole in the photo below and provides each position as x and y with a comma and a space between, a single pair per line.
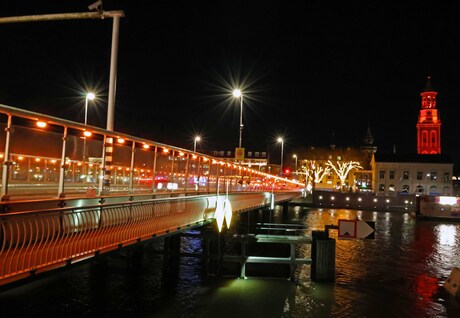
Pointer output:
113, 73
84, 139
282, 149
61, 193
241, 120
131, 168
154, 172
103, 167
194, 145
6, 162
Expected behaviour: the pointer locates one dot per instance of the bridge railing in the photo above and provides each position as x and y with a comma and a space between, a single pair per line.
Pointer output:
48, 156
32, 242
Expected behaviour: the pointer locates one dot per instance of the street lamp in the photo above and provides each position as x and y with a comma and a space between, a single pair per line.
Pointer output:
282, 150
89, 96
197, 138
295, 157
238, 94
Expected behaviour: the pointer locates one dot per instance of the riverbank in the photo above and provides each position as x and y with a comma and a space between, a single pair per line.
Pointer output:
359, 201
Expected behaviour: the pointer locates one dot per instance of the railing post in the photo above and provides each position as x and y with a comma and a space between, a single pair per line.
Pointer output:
154, 168
131, 169
61, 193
197, 187
172, 170
186, 172
6, 162
108, 144
102, 173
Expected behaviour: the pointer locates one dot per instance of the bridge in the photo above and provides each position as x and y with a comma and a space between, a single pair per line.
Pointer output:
70, 192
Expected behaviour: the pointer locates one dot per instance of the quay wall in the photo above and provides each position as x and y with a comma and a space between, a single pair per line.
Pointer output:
364, 201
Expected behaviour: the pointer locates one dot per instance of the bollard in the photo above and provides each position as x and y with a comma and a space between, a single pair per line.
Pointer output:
452, 284
323, 257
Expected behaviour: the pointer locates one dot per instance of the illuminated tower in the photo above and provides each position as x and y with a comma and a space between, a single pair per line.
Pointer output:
429, 123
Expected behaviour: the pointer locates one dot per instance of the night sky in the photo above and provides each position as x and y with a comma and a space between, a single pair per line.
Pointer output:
308, 70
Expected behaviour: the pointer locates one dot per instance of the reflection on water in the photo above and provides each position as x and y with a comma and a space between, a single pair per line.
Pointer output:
397, 274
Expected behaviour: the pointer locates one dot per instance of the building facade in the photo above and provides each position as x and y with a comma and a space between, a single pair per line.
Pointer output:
394, 174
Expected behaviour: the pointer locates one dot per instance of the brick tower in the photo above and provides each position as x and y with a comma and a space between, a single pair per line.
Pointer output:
429, 123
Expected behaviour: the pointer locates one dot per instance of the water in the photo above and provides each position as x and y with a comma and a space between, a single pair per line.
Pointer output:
398, 274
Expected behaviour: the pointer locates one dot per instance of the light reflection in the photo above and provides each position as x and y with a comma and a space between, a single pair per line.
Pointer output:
446, 234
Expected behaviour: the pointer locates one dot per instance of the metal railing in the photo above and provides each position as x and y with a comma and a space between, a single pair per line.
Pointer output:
32, 242
53, 157
58, 162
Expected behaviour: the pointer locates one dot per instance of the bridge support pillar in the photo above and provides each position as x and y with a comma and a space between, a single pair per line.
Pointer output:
171, 252
323, 257
285, 208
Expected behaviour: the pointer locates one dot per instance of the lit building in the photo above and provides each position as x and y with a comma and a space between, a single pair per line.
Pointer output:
394, 174
429, 123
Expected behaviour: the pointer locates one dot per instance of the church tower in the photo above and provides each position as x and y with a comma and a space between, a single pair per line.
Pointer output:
429, 123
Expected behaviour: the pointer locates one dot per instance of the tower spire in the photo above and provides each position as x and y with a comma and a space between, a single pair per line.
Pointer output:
428, 86
429, 123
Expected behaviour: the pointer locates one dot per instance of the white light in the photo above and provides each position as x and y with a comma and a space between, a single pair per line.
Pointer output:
236, 93
448, 200
90, 96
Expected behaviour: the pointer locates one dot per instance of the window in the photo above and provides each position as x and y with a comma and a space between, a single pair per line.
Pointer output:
257, 154
249, 153
229, 153
433, 176
381, 187
392, 174
419, 189
406, 175
405, 188
419, 175
391, 188
446, 177
382, 174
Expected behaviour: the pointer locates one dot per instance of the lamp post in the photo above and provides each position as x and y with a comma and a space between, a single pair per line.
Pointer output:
238, 94
197, 138
295, 157
89, 96
282, 150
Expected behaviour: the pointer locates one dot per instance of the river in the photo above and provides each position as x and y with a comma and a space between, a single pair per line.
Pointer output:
399, 273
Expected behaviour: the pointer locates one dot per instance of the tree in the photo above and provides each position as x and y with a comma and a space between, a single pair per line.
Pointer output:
342, 169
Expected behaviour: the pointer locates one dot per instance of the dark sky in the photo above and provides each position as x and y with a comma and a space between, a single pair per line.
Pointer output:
309, 69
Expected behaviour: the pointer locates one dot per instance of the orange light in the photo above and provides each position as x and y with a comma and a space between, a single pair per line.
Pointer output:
41, 124
37, 159
120, 140
205, 159
181, 154
20, 158
53, 161
165, 150
87, 133
145, 146
194, 156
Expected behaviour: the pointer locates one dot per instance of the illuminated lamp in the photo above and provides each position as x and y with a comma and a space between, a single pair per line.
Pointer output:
181, 154
87, 133
165, 150
120, 140
145, 146
41, 124
194, 156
